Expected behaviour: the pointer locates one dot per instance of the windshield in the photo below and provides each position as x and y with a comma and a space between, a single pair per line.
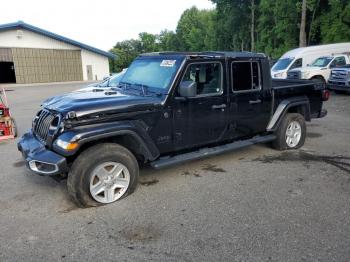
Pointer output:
115, 80
322, 61
152, 72
282, 64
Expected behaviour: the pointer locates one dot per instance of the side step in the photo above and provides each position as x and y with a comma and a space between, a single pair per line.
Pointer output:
209, 151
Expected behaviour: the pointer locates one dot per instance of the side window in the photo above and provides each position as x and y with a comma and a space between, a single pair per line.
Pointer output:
245, 76
208, 77
297, 63
338, 61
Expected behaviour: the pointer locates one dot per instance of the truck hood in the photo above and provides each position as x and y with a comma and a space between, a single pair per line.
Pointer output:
90, 102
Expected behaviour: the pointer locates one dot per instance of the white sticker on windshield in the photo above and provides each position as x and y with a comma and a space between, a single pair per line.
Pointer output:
168, 63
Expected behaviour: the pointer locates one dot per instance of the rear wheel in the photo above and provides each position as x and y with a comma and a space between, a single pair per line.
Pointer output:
102, 174
291, 133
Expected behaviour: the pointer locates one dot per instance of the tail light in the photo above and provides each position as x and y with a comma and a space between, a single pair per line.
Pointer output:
325, 95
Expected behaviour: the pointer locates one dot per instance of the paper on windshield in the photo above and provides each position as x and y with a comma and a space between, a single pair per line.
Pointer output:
168, 63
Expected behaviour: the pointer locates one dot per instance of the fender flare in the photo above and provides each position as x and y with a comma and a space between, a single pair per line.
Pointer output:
108, 130
284, 106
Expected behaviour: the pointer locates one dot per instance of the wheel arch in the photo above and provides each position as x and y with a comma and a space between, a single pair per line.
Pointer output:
132, 136
315, 77
126, 138
299, 105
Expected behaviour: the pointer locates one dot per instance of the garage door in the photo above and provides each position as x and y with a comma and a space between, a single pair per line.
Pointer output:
47, 65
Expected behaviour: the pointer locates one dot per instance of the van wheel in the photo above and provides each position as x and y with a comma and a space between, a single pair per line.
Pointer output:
102, 174
291, 133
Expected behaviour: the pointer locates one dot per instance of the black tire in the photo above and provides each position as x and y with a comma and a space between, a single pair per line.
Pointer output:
78, 181
280, 143
319, 79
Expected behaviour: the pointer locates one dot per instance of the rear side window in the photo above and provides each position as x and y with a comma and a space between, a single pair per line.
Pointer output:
245, 76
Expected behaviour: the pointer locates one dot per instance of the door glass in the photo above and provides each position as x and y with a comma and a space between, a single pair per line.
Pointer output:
339, 61
297, 63
208, 77
245, 76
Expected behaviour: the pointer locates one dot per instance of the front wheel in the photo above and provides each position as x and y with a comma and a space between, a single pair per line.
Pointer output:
102, 174
291, 133
319, 79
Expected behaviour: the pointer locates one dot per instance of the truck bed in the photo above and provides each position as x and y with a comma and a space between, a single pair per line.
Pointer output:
287, 88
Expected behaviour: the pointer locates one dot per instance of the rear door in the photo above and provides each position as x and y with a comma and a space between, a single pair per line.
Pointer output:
201, 119
250, 102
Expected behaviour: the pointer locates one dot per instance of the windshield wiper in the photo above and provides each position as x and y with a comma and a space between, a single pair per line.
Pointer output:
123, 85
145, 89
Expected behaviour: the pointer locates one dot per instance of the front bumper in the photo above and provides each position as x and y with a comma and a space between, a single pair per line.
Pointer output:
39, 159
337, 87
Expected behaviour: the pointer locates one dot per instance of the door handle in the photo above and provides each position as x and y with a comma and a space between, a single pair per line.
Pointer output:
219, 106
258, 101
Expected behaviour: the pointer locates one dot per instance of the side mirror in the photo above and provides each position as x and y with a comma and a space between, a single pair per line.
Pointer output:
188, 89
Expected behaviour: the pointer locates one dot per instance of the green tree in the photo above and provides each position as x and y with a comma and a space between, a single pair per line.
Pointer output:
277, 27
195, 30
168, 41
126, 51
148, 42
335, 22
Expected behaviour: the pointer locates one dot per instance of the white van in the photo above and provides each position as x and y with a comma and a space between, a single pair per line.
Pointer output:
301, 57
320, 69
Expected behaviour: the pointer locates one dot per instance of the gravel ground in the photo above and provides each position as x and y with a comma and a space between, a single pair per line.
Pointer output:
255, 204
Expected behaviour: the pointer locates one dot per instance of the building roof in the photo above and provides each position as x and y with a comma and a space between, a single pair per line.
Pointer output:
22, 25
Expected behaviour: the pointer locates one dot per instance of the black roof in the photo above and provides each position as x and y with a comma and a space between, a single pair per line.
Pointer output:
225, 54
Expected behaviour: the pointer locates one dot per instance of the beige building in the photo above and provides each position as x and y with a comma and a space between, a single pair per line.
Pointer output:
29, 54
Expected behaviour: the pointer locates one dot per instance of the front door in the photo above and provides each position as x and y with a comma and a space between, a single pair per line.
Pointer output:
250, 103
89, 72
201, 119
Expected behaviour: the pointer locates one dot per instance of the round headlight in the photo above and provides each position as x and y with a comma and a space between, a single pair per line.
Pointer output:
55, 123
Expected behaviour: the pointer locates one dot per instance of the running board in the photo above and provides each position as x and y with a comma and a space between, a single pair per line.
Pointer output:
209, 151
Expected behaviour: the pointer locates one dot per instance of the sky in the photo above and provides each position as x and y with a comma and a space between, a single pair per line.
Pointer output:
99, 23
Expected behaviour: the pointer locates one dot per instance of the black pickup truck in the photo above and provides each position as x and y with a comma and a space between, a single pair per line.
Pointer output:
169, 108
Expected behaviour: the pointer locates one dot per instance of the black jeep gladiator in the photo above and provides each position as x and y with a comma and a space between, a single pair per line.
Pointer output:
168, 108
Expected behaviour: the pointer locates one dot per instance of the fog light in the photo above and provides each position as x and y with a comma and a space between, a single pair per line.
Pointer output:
32, 165
42, 167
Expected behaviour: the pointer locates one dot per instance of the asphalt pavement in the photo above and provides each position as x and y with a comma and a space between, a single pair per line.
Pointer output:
254, 204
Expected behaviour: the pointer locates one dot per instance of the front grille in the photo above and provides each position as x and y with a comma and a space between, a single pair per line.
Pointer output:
42, 124
294, 75
339, 74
